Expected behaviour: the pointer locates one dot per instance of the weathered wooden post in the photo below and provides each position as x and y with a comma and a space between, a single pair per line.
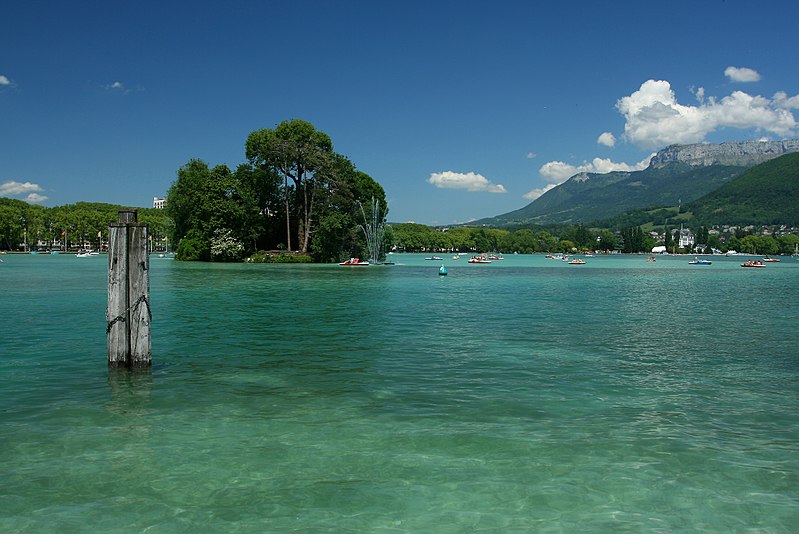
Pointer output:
128, 313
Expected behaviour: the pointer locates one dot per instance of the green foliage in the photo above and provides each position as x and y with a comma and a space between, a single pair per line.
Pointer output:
788, 243
762, 195
295, 151
202, 200
639, 217
633, 240
411, 237
765, 194
759, 244
20, 222
294, 193
602, 196
193, 247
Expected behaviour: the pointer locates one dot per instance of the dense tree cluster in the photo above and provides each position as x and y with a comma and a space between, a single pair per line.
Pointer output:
294, 194
419, 238
633, 240
72, 226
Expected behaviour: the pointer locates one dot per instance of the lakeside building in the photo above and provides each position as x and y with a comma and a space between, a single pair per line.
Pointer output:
159, 203
686, 238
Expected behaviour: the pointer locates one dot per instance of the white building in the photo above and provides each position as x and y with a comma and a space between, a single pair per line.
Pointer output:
685, 239
159, 203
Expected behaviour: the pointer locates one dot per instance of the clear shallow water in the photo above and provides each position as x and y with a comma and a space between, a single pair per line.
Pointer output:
525, 395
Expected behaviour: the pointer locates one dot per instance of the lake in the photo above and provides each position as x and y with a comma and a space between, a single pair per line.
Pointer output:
525, 395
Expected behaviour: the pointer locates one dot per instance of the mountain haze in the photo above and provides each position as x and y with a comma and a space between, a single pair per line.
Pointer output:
676, 174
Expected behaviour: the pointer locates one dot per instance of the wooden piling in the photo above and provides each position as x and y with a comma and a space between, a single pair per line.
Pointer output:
128, 314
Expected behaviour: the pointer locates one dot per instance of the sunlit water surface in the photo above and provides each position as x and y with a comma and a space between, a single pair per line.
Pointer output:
526, 395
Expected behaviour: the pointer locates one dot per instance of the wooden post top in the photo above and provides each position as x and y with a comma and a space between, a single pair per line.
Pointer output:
128, 216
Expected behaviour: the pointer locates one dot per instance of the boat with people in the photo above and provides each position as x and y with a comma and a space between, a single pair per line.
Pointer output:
86, 253
697, 261
769, 259
495, 257
753, 263
435, 258
354, 262
482, 258
576, 261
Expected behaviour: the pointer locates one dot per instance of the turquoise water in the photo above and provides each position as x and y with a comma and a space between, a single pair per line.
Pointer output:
526, 395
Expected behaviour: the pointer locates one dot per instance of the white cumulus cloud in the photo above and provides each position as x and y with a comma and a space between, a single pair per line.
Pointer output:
742, 74
12, 188
607, 139
4, 80
655, 119
535, 193
35, 198
783, 101
558, 172
469, 181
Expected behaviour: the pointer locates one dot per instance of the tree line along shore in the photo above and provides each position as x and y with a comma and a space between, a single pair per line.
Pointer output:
297, 198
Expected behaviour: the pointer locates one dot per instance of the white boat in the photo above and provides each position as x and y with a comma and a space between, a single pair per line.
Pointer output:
86, 253
354, 262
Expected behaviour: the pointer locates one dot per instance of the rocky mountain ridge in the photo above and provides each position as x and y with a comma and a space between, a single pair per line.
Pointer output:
676, 174
737, 153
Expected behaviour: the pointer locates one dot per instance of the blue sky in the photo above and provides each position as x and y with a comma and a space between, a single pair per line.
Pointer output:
461, 110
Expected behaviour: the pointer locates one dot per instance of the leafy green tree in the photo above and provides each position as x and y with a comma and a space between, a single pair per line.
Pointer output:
524, 241
545, 242
606, 240
296, 151
185, 198
713, 242
193, 247
203, 200
564, 245
11, 223
788, 243
633, 239
342, 190
259, 196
